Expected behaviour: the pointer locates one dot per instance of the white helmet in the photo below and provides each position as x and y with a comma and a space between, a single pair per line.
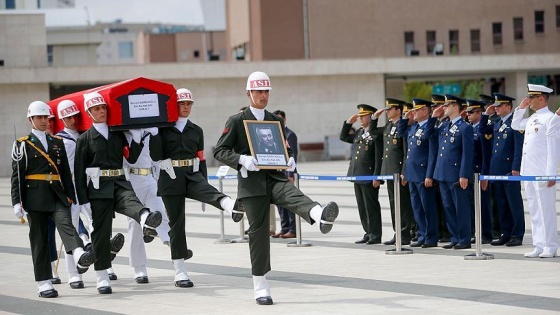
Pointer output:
184, 95
258, 80
38, 108
93, 99
67, 108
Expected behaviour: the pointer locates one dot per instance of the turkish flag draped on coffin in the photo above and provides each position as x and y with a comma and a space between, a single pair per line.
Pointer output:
131, 104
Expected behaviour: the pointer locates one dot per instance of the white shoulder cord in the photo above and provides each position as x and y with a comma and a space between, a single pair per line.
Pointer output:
19, 153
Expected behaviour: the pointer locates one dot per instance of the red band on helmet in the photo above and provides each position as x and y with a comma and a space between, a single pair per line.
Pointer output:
259, 83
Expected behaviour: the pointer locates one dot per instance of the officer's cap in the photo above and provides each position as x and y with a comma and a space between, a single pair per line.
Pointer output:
420, 103
438, 99
450, 99
500, 99
393, 102
535, 89
365, 109
407, 107
486, 98
472, 105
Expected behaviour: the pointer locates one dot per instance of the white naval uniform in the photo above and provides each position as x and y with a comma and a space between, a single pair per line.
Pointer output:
69, 137
540, 157
145, 187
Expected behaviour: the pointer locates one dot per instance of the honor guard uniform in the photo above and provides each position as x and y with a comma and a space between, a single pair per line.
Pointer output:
42, 189
454, 172
103, 188
506, 153
365, 161
540, 158
481, 160
259, 188
393, 161
181, 148
417, 128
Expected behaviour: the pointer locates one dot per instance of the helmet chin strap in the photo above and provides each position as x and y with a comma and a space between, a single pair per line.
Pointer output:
91, 116
33, 123
252, 99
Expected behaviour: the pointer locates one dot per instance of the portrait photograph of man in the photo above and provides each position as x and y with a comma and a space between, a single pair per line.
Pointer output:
267, 143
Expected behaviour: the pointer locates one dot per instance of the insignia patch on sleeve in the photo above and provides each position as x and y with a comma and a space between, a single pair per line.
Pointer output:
226, 130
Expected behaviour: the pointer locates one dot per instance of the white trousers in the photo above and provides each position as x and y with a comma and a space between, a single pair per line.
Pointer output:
541, 201
145, 188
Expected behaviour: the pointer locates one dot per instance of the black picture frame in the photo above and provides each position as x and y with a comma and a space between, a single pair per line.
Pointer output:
267, 144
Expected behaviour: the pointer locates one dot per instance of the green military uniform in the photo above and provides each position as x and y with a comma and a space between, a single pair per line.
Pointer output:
186, 145
393, 156
365, 161
44, 196
115, 193
259, 189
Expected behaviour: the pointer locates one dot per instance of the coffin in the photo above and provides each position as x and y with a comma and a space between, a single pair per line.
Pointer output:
131, 104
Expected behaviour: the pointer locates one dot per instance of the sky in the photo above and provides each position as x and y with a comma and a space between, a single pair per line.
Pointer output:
144, 11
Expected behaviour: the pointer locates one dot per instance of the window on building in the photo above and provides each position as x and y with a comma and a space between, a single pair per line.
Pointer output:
10, 4
558, 16
125, 50
408, 42
539, 22
497, 33
518, 28
454, 42
475, 41
50, 55
430, 41
196, 53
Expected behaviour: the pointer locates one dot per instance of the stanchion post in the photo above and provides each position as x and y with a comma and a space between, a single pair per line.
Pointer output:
298, 242
222, 239
398, 229
478, 255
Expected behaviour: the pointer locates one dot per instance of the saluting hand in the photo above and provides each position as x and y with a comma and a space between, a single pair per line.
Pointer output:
438, 112
352, 119
491, 110
377, 113
524, 103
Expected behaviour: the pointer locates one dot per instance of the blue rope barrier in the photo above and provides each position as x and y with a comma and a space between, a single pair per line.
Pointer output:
511, 178
346, 178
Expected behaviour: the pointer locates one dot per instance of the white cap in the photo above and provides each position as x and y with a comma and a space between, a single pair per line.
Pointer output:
535, 89
93, 99
67, 108
184, 95
258, 80
38, 108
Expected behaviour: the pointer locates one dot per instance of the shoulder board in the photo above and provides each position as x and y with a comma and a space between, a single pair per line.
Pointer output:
23, 138
56, 137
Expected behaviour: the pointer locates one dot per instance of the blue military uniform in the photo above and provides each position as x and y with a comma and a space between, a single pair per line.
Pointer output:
506, 156
455, 161
420, 163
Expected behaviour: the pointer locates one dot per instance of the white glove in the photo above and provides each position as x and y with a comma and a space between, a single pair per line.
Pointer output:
153, 130
249, 162
87, 207
136, 135
291, 164
18, 211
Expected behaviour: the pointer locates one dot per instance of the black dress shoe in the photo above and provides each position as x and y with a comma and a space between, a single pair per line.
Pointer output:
140, 280
416, 244
52, 293
113, 276
330, 212
362, 241
462, 246
85, 261
184, 284
152, 222
426, 245
238, 211
117, 243
189, 254
104, 290
77, 285
88, 247
56, 280
265, 300
514, 242
390, 242
373, 241
449, 246
501, 241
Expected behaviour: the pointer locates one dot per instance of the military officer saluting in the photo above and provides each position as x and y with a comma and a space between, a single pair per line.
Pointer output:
454, 170
365, 161
393, 156
417, 128
506, 153
42, 188
101, 184
183, 146
540, 157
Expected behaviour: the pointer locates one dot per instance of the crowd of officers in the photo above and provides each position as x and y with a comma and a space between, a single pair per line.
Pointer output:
437, 146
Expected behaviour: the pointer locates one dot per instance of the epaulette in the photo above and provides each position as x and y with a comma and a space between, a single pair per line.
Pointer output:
23, 138
56, 137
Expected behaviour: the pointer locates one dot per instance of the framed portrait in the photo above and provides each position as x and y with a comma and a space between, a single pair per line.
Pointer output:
267, 144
